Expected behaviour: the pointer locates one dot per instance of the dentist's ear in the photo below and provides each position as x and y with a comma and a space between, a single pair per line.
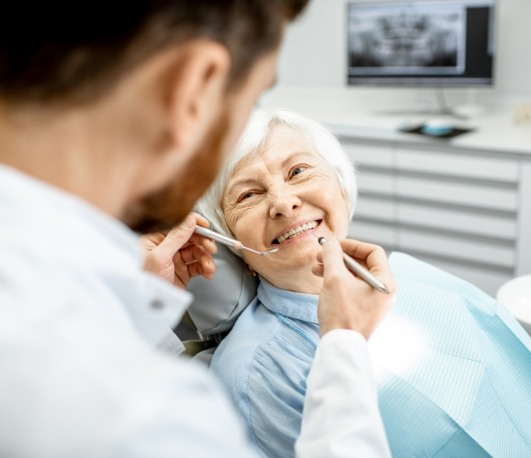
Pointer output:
197, 92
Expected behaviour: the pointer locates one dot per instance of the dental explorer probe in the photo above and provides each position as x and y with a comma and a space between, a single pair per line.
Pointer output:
359, 270
237, 245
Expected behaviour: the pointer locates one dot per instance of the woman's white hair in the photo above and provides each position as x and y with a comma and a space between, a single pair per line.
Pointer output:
255, 136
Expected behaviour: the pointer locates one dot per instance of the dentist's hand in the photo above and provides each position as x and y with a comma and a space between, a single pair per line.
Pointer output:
347, 302
180, 254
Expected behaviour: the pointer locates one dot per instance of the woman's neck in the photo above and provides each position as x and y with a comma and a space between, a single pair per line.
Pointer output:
301, 281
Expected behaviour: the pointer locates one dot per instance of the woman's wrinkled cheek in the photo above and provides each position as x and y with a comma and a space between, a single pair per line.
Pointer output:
235, 220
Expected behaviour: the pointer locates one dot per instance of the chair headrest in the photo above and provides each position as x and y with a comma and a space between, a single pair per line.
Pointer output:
218, 302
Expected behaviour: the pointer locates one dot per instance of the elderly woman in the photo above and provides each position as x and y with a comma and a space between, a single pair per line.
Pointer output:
453, 368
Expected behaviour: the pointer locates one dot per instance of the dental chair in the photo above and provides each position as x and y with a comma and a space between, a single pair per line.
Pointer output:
217, 304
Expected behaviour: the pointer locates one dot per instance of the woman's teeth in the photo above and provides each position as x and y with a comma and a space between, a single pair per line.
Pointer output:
295, 232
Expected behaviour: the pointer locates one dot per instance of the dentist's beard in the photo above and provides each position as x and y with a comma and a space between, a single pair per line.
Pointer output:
164, 209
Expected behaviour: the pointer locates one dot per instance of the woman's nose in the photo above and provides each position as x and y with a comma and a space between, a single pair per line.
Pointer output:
284, 202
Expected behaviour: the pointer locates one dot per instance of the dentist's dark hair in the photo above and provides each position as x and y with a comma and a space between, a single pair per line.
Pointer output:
73, 52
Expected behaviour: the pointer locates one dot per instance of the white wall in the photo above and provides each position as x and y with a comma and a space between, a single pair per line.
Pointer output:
314, 51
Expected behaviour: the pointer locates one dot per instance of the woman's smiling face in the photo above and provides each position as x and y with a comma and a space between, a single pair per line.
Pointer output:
277, 197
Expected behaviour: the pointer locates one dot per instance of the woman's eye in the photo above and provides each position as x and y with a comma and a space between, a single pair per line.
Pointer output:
246, 195
296, 170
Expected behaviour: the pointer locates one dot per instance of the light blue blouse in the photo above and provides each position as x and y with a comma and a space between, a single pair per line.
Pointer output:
264, 363
453, 368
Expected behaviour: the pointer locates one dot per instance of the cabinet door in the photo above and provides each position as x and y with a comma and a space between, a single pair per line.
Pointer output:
445, 162
371, 154
458, 220
447, 190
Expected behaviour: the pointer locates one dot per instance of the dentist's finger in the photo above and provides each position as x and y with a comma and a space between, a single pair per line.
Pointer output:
177, 237
345, 301
197, 260
331, 257
372, 257
161, 248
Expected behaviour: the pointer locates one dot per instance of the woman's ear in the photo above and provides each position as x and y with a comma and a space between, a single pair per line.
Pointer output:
196, 92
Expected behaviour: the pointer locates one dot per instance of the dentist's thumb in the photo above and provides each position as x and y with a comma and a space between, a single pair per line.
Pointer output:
177, 237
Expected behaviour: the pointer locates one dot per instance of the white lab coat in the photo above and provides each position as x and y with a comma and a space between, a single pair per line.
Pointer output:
341, 416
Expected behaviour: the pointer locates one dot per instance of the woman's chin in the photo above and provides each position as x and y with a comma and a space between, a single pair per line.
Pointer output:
295, 257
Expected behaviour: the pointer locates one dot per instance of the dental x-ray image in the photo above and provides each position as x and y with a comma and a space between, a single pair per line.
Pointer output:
421, 39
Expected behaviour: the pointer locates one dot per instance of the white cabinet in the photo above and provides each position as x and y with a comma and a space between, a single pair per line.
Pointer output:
467, 211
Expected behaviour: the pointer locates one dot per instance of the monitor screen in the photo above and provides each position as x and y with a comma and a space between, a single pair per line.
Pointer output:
421, 43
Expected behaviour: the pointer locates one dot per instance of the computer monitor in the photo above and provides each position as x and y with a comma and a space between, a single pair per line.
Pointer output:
437, 43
